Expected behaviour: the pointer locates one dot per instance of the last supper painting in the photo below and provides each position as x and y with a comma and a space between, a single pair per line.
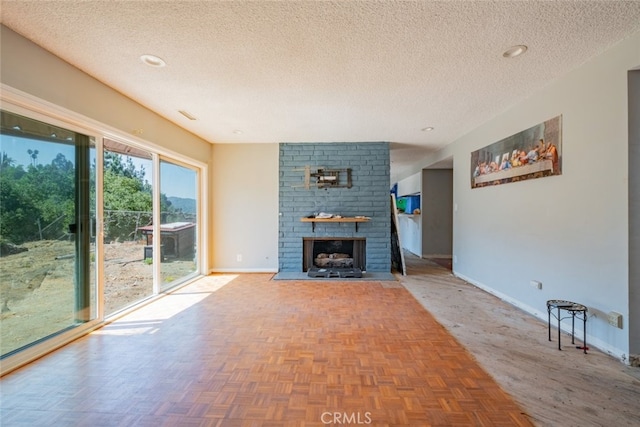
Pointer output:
532, 153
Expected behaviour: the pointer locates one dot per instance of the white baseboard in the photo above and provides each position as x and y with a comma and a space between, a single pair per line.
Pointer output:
243, 270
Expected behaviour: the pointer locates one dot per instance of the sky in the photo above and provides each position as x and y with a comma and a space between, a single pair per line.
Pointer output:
16, 148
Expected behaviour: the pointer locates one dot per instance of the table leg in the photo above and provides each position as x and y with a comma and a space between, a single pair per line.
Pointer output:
584, 332
559, 346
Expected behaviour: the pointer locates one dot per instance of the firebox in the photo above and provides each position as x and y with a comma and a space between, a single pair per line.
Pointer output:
334, 253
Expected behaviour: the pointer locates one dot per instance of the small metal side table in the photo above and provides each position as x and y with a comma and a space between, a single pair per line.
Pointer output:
574, 309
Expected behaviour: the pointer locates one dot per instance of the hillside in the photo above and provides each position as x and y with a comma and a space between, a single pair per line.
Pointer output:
186, 205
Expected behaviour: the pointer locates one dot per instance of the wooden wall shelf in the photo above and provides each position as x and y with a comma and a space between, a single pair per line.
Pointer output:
354, 220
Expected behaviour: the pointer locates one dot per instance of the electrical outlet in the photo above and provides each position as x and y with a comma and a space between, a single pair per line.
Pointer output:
536, 284
615, 319
239, 257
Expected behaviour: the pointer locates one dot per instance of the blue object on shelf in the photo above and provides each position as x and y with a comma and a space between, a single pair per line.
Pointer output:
412, 203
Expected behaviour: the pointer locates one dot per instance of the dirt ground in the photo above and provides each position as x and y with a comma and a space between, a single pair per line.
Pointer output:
37, 296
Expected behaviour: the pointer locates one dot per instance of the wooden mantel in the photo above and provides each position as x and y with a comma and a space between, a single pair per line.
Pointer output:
354, 220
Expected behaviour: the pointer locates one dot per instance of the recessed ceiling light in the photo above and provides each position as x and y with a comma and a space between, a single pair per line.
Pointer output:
153, 61
514, 51
187, 115
427, 129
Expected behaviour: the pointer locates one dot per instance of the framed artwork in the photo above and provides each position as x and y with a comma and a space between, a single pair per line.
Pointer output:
532, 153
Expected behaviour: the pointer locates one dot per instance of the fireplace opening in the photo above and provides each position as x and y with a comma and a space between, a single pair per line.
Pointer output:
334, 253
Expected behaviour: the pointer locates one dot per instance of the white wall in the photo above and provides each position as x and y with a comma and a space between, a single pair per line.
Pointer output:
570, 231
410, 228
244, 207
410, 185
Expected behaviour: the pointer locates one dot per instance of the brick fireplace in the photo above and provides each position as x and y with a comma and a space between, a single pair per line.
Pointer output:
368, 196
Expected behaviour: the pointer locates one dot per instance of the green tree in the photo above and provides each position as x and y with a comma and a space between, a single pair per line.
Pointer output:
17, 212
34, 156
128, 203
6, 161
115, 163
42, 197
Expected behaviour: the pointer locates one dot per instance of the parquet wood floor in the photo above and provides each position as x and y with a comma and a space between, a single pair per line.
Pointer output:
257, 352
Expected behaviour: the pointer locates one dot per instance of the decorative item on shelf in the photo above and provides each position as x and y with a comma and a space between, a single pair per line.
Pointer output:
409, 204
322, 177
323, 215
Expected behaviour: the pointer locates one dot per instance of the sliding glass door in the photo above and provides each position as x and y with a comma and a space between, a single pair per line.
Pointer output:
85, 234
178, 222
128, 219
47, 231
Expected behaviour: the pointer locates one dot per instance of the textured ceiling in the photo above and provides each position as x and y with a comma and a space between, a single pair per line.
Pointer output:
305, 71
